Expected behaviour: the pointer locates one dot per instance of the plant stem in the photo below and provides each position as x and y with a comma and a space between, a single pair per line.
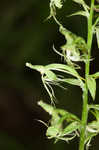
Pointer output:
87, 71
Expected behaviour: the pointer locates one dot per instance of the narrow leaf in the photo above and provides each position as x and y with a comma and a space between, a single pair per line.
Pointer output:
63, 68
72, 81
96, 22
91, 83
79, 1
68, 116
94, 106
97, 35
81, 13
95, 75
71, 128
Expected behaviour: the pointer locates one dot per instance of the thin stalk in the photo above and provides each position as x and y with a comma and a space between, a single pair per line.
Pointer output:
87, 71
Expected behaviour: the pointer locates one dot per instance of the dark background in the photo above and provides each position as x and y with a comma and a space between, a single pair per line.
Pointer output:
25, 36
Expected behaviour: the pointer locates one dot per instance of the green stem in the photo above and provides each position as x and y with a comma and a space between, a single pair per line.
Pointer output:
87, 71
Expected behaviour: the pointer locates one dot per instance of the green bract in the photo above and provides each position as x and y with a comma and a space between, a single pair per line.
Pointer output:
91, 86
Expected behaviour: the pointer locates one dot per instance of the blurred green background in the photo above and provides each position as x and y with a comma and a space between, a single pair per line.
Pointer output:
25, 36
